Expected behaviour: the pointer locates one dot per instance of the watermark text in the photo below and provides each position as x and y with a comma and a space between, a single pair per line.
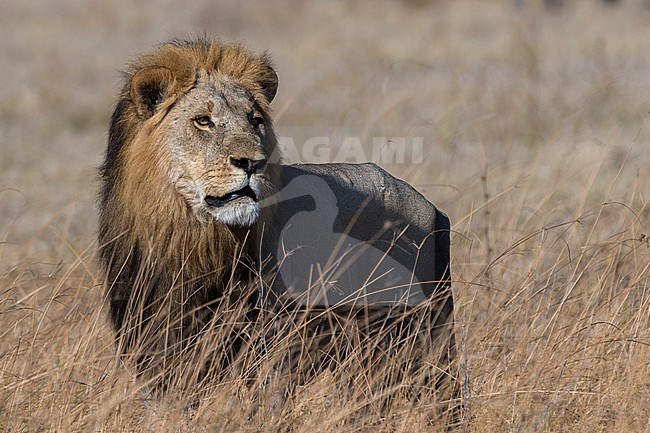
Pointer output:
382, 150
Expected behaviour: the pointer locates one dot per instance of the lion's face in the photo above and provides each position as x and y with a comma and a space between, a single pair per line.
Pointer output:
212, 135
216, 135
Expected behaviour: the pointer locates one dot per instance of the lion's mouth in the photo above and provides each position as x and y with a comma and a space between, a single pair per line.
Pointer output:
246, 191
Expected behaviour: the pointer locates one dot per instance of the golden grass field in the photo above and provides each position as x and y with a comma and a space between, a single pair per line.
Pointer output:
536, 143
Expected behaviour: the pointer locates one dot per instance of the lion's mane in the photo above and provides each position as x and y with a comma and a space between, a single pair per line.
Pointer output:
165, 270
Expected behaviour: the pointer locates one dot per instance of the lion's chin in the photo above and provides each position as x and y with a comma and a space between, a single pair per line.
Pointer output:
243, 211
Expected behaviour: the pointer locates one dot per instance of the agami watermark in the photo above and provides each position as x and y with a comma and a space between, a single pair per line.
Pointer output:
381, 150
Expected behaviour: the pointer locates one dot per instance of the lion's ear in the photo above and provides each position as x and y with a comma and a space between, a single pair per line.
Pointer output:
150, 87
268, 79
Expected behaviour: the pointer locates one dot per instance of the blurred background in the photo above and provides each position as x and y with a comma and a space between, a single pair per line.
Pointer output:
530, 124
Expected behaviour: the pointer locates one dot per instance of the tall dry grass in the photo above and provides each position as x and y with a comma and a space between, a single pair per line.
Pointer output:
536, 143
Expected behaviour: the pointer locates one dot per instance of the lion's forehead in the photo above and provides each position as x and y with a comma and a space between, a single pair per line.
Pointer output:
221, 94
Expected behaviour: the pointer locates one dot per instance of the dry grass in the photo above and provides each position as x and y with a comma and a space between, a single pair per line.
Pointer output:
536, 143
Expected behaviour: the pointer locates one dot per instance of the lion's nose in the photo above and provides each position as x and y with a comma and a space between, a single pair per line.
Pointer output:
250, 166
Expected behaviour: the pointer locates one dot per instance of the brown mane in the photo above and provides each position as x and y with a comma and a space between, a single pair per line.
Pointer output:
164, 267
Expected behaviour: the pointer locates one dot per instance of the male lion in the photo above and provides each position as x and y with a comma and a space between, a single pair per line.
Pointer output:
198, 217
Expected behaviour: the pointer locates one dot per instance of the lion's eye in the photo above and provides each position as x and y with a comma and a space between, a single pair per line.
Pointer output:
203, 122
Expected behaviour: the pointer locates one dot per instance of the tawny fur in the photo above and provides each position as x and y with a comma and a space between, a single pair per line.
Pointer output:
172, 259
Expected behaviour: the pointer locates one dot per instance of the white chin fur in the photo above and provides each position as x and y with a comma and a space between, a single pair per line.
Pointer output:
242, 212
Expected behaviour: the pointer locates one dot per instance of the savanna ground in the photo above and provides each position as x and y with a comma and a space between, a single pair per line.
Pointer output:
536, 143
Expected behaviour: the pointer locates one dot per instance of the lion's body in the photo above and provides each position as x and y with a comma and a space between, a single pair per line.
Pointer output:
189, 201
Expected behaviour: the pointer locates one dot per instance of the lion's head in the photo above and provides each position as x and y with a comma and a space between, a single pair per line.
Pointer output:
199, 111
